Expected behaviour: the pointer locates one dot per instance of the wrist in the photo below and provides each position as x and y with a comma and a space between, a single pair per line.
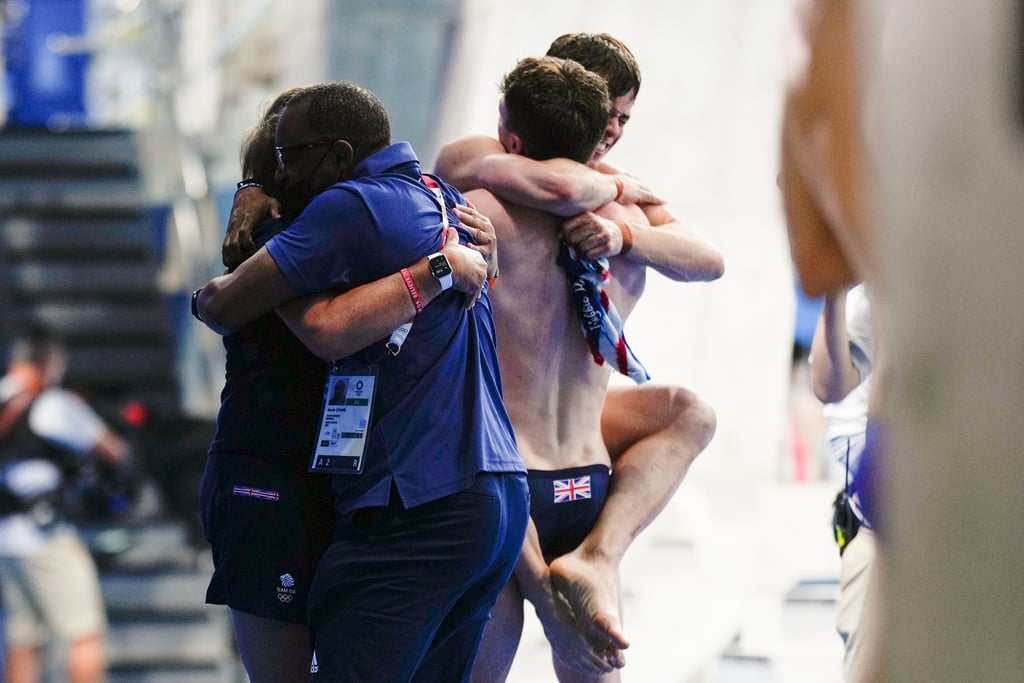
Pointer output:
441, 269
195, 306
620, 187
248, 182
627, 237
424, 281
413, 289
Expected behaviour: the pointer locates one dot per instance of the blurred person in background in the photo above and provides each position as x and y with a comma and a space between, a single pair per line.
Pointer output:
827, 177
842, 356
50, 584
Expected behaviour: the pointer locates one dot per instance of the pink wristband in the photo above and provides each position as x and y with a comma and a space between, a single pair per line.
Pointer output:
619, 187
627, 237
414, 292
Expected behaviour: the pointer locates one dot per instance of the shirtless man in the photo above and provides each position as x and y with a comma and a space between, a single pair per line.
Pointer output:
555, 397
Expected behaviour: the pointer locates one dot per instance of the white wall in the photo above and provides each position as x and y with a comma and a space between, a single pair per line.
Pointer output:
704, 133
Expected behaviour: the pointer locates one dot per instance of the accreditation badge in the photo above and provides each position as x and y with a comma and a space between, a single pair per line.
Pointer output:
345, 420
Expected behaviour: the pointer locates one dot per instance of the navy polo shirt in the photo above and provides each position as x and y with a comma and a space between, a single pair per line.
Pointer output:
438, 417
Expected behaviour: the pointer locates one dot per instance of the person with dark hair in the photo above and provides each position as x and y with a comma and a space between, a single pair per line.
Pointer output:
267, 517
429, 487
650, 433
51, 588
550, 109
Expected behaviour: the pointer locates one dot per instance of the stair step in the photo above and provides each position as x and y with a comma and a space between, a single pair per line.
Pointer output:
145, 549
171, 644
172, 594
56, 195
124, 280
25, 151
225, 673
105, 236
85, 321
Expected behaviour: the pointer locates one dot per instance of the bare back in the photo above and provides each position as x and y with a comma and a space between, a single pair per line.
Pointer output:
553, 389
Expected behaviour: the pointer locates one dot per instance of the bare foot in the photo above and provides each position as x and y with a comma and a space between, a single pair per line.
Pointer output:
569, 643
592, 591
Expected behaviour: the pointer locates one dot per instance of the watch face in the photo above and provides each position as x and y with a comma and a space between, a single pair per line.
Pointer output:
439, 266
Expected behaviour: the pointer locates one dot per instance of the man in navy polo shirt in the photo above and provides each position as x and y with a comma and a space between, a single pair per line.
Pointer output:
431, 492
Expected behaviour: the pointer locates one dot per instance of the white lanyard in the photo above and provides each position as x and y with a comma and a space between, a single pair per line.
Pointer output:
401, 332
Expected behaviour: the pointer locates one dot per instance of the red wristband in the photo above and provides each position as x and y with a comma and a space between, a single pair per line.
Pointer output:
414, 292
619, 187
627, 237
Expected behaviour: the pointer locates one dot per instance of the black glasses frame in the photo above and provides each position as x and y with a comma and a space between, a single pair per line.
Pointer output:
279, 152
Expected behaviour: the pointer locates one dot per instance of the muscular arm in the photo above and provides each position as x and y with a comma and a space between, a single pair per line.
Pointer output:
559, 186
228, 302
332, 325
674, 249
833, 372
822, 164
661, 242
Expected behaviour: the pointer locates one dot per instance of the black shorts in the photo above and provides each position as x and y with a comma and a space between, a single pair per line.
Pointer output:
565, 505
268, 521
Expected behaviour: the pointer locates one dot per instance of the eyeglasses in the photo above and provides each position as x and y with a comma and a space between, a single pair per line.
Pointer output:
280, 151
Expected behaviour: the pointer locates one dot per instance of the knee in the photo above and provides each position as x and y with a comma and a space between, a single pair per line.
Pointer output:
693, 419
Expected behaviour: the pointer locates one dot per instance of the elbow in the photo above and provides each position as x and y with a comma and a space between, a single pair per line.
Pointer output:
322, 337
322, 346
716, 266
564, 195
827, 392
707, 268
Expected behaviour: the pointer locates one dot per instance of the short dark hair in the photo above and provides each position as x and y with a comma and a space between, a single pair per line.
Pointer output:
604, 55
556, 107
257, 156
341, 110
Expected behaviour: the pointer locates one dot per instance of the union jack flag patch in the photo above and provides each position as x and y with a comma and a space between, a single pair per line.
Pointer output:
568, 490
252, 492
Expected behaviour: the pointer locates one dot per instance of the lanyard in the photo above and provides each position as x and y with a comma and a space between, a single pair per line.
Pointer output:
401, 332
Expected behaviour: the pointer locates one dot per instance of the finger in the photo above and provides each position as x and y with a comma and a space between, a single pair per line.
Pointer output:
450, 235
467, 214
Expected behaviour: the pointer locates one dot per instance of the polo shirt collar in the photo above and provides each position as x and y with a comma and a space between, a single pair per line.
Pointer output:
379, 162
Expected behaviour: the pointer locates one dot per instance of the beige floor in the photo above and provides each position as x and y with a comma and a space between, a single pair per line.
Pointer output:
743, 596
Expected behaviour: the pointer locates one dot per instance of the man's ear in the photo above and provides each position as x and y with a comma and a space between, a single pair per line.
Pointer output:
343, 154
513, 144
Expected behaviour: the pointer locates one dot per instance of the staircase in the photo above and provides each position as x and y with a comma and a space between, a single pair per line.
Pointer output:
161, 631
80, 254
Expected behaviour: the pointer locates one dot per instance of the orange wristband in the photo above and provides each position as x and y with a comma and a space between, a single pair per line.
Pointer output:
627, 237
414, 292
619, 187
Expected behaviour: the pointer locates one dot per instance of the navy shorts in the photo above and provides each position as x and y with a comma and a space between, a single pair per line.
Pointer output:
565, 505
268, 521
404, 594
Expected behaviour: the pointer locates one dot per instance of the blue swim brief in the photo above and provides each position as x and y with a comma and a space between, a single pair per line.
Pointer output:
565, 505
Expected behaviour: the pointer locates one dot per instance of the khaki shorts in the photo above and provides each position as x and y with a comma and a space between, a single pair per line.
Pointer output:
856, 569
52, 593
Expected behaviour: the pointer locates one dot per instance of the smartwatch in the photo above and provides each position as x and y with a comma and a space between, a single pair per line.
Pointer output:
441, 270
